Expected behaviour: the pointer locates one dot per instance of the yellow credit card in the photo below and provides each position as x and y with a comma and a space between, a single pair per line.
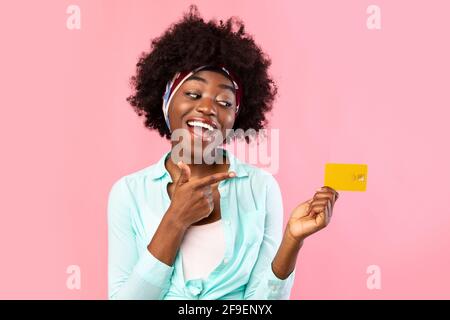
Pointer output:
347, 177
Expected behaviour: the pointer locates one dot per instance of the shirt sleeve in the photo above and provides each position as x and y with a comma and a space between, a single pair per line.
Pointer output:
263, 283
131, 274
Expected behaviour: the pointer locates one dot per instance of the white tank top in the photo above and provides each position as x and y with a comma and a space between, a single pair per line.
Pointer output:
203, 249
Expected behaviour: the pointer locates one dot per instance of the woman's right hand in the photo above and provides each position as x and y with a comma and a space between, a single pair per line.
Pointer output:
192, 199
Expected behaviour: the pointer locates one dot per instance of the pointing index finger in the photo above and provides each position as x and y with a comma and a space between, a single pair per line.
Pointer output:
217, 177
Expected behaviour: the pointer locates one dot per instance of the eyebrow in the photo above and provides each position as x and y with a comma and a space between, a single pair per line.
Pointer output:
222, 85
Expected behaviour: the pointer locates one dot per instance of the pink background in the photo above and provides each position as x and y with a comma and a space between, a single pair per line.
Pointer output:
347, 94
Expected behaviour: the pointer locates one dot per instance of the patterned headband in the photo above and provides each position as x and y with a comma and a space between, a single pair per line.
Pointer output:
180, 77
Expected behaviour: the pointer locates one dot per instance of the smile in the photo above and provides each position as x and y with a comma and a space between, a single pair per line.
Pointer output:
200, 124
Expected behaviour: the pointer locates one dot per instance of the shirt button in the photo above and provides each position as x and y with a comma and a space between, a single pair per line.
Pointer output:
225, 260
274, 288
195, 287
227, 222
195, 291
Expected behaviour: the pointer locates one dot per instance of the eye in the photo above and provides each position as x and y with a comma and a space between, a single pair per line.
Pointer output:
192, 95
225, 103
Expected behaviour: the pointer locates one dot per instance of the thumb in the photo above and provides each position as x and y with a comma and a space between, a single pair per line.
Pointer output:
185, 174
308, 205
302, 210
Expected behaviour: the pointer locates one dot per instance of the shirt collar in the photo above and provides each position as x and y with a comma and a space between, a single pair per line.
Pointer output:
159, 170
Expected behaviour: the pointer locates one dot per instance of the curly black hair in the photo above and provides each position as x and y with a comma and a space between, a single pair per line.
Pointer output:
190, 43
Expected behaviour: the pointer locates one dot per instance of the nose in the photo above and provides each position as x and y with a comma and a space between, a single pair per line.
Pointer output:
206, 106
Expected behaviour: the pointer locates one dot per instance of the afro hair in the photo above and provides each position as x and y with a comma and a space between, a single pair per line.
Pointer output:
190, 43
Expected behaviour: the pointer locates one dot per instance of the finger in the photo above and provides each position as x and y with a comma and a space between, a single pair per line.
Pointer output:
320, 215
329, 209
214, 178
207, 191
185, 173
316, 209
324, 195
210, 200
326, 189
329, 189
211, 205
334, 195
308, 205
323, 202
327, 213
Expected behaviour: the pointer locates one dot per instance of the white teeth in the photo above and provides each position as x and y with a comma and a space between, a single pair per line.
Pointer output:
200, 124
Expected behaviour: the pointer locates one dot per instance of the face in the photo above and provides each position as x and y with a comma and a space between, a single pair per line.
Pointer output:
205, 101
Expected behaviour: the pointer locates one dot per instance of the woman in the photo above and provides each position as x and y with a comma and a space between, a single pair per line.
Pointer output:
189, 229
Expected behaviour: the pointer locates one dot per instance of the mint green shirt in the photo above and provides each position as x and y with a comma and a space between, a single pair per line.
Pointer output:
252, 213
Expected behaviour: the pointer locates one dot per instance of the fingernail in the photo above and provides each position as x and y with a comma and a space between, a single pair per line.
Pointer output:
232, 174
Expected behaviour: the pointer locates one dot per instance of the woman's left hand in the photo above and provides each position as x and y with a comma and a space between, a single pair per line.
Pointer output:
312, 215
